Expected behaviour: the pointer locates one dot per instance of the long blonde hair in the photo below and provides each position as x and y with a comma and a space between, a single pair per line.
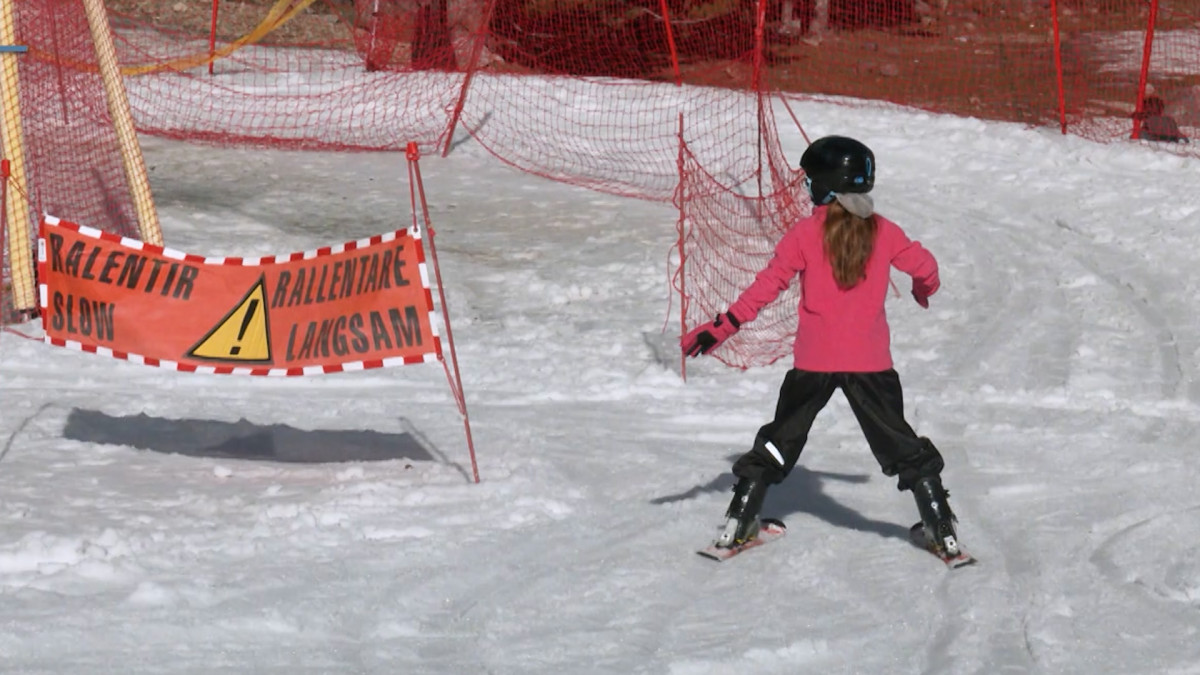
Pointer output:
849, 241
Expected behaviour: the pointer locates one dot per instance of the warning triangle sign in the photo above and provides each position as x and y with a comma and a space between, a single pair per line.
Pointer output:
243, 335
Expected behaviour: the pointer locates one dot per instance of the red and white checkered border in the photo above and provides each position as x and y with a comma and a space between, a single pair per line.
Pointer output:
351, 366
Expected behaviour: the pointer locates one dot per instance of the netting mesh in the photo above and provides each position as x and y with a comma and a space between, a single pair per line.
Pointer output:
582, 91
1118, 54
72, 156
340, 79
727, 234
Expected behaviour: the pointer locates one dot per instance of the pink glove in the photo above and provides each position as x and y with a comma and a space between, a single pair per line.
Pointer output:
706, 337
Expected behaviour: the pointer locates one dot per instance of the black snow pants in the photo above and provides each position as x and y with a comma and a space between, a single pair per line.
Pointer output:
877, 401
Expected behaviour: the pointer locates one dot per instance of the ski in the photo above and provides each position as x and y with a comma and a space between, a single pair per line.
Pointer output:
917, 534
769, 530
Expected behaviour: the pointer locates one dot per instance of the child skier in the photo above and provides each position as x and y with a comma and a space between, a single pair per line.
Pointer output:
842, 253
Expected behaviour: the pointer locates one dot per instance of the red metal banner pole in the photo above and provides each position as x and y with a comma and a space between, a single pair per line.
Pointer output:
414, 154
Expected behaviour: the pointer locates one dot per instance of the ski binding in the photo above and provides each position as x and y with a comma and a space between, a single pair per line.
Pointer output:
917, 534
769, 530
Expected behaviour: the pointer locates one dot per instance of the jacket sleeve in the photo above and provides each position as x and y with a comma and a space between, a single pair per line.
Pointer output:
915, 260
787, 262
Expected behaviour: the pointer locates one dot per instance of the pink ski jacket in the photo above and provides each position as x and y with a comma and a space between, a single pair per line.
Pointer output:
839, 330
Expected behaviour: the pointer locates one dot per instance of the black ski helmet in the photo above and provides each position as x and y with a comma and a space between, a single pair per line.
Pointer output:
837, 164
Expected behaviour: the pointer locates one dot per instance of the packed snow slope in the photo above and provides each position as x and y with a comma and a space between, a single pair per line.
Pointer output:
1056, 370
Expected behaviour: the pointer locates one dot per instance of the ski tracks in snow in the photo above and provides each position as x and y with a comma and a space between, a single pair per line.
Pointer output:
518, 610
1079, 365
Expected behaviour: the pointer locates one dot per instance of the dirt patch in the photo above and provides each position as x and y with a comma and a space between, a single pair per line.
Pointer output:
319, 24
979, 58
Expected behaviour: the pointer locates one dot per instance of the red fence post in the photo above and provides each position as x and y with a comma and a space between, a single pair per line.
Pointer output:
681, 228
760, 59
212, 38
1144, 75
671, 42
1058, 68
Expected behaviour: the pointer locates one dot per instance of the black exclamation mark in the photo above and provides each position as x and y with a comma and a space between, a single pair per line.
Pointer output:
233, 351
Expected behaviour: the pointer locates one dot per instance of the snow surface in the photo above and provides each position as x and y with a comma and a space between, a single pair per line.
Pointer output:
1057, 370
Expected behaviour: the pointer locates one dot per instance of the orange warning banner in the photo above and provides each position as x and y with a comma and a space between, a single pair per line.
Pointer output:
364, 304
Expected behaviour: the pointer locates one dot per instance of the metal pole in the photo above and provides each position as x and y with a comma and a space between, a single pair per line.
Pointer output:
666, 15
1144, 75
413, 154
680, 227
1058, 68
212, 37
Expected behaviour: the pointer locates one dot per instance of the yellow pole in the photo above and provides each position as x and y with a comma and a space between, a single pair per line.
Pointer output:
122, 117
12, 140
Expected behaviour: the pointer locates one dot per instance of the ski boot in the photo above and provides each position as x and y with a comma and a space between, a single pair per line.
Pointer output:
741, 520
936, 517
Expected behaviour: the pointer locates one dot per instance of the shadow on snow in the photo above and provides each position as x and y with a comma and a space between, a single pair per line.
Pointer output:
801, 492
246, 440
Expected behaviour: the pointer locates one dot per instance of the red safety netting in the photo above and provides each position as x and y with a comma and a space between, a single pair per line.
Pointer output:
728, 233
585, 92
582, 91
72, 161
1129, 59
